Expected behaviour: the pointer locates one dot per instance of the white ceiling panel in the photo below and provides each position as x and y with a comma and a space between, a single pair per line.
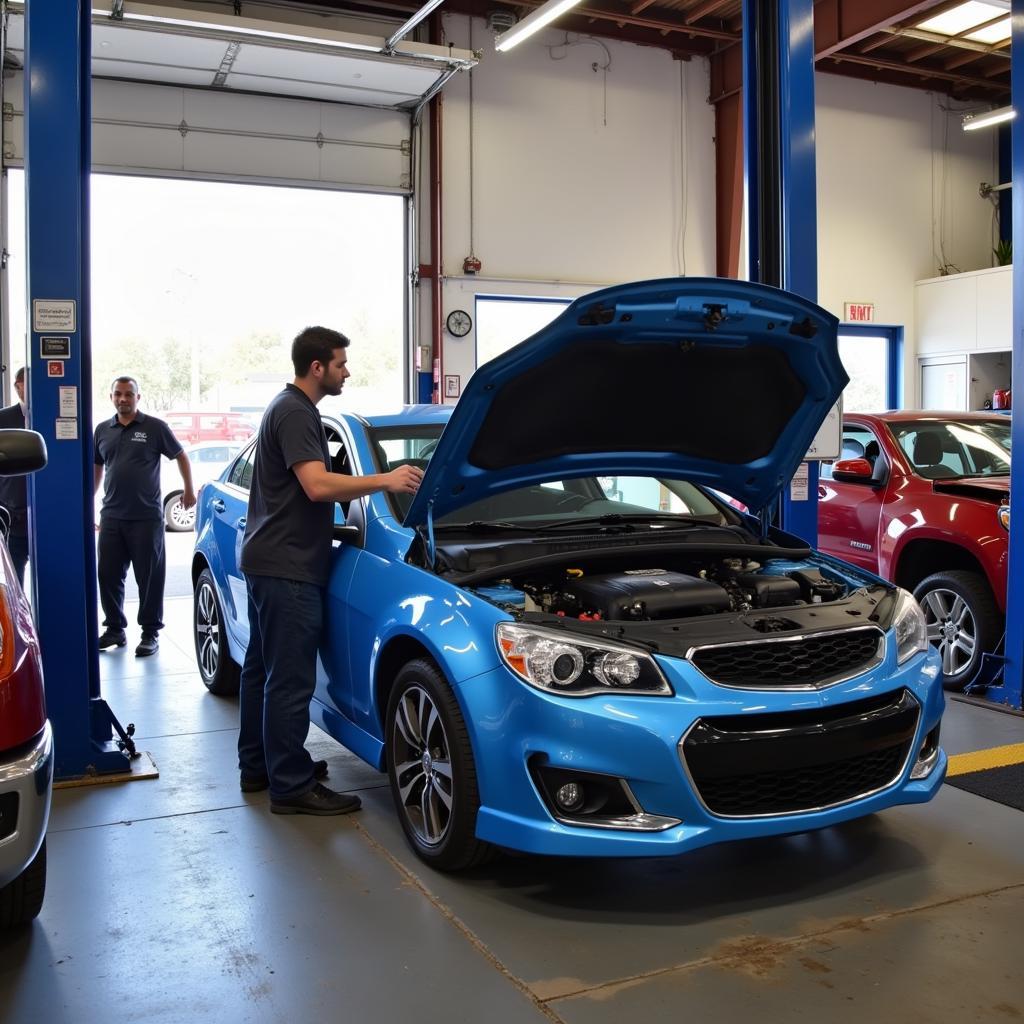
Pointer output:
144, 72
161, 49
320, 91
339, 70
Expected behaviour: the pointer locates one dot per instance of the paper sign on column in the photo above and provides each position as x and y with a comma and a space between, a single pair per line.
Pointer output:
68, 401
67, 430
798, 488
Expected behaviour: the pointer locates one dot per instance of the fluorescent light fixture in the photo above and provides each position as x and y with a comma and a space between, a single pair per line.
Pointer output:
533, 22
974, 121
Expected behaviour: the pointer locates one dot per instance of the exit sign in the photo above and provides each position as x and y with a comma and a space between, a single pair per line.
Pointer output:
859, 312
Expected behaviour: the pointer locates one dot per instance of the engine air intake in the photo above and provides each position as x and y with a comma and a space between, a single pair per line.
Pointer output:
800, 761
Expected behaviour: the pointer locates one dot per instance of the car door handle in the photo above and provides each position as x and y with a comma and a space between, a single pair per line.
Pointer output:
217, 505
822, 493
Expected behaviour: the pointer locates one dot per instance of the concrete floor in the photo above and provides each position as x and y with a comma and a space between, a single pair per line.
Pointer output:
182, 900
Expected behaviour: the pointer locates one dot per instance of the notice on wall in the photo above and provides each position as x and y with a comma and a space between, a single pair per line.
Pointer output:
55, 368
66, 430
68, 401
452, 385
798, 487
54, 348
53, 315
828, 441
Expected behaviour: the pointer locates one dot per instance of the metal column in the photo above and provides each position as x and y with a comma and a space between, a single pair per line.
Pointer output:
1009, 692
778, 84
63, 558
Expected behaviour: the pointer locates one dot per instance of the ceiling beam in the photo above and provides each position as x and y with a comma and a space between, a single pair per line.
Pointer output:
918, 72
703, 10
841, 23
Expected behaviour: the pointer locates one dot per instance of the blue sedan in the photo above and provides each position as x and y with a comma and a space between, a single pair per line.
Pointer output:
566, 642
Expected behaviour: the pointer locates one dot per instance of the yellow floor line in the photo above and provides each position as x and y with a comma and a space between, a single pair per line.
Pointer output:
996, 757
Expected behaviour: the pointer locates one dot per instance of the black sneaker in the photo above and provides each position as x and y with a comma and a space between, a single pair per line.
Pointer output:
112, 638
258, 783
319, 800
149, 644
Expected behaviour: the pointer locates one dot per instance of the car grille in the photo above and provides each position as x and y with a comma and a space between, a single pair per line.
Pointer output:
815, 660
793, 762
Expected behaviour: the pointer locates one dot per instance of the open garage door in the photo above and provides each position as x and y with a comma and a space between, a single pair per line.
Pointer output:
188, 92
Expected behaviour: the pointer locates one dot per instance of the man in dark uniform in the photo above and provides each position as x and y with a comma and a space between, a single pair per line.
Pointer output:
128, 447
286, 558
13, 489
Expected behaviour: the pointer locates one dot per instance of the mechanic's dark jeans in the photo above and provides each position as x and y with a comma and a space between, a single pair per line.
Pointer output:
18, 547
278, 678
139, 542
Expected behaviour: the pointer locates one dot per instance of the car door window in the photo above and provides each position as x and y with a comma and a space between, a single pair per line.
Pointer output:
241, 471
858, 443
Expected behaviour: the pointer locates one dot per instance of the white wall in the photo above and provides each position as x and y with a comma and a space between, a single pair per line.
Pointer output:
897, 196
578, 174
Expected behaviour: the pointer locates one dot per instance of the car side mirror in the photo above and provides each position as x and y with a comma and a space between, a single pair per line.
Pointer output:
853, 471
21, 452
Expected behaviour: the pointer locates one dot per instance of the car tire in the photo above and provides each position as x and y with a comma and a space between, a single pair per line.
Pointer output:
218, 670
22, 898
432, 771
176, 518
964, 622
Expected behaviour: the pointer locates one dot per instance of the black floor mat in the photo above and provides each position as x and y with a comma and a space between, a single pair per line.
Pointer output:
1004, 785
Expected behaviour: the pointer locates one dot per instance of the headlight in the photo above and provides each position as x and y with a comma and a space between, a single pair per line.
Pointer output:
1004, 516
568, 665
911, 628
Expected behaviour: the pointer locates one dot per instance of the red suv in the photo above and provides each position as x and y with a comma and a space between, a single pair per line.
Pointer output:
190, 427
922, 498
26, 741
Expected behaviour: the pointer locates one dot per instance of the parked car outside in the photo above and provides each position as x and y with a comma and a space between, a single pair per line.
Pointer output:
547, 659
26, 740
207, 459
192, 427
922, 498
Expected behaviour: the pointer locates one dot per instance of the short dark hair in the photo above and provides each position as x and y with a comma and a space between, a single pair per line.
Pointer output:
125, 380
19, 376
315, 344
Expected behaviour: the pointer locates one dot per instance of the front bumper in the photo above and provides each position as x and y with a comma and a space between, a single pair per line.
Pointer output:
26, 780
638, 740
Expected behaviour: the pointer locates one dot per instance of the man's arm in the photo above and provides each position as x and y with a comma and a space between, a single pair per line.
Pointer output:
321, 485
97, 478
188, 499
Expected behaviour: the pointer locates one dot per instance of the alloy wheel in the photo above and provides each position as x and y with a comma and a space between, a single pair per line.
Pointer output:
422, 765
951, 628
207, 630
183, 518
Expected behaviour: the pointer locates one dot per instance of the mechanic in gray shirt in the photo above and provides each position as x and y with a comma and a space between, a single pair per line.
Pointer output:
286, 560
128, 448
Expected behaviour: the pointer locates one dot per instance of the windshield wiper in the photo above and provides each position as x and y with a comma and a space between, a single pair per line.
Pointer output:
625, 520
482, 526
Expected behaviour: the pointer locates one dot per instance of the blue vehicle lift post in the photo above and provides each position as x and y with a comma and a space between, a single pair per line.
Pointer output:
778, 89
1008, 692
63, 558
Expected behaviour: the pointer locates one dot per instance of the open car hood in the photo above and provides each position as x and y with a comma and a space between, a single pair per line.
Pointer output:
720, 382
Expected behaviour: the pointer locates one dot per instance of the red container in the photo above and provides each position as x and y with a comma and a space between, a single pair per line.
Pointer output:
1001, 398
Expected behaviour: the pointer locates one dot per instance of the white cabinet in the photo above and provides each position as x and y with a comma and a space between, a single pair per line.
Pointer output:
964, 337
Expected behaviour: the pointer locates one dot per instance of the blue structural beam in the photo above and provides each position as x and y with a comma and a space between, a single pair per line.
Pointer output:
1009, 692
778, 84
63, 554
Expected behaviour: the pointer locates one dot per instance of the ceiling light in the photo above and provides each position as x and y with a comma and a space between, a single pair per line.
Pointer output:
533, 22
966, 16
974, 121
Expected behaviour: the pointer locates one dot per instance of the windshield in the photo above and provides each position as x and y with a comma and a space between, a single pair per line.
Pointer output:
634, 498
941, 449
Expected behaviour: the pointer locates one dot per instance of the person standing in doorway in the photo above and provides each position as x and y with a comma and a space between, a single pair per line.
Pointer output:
286, 559
128, 448
14, 489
